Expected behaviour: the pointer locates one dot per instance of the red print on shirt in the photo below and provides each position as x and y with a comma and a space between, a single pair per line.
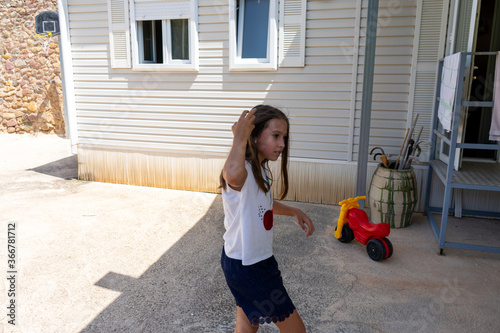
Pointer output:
268, 220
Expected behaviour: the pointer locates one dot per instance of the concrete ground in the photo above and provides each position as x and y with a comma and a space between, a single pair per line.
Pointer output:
97, 257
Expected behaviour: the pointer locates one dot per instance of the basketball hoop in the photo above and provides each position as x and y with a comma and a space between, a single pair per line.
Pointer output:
45, 34
47, 41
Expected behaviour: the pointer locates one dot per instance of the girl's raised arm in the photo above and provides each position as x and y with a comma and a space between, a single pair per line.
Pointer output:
234, 171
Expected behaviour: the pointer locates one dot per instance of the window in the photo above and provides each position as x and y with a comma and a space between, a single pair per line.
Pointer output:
150, 42
179, 36
163, 41
164, 35
253, 34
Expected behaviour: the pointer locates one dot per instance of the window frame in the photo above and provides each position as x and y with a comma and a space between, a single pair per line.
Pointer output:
170, 41
236, 62
168, 64
140, 42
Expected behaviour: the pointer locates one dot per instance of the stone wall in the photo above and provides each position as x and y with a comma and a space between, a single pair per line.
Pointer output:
30, 74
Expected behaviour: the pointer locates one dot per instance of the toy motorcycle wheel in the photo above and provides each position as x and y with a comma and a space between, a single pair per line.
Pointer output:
347, 234
376, 249
389, 246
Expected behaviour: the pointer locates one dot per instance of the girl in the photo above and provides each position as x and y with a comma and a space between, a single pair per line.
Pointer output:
251, 271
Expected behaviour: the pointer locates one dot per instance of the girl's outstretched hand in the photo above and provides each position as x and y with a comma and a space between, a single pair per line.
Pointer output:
304, 222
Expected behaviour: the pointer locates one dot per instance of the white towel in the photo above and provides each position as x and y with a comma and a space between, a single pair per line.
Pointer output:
448, 89
495, 117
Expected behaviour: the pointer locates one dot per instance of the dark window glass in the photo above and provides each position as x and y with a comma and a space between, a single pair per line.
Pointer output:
180, 39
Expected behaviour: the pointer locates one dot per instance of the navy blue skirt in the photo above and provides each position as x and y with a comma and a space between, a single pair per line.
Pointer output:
258, 289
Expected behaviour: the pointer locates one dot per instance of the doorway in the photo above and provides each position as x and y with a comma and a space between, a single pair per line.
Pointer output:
478, 120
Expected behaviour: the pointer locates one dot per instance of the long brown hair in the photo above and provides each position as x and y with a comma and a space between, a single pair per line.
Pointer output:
263, 115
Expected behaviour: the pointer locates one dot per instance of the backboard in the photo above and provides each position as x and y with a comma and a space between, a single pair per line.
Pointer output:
47, 22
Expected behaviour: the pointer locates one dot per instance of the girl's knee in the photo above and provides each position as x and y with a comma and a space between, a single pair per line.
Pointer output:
246, 328
292, 324
243, 325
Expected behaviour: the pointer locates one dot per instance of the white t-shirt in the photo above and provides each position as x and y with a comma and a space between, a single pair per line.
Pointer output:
248, 220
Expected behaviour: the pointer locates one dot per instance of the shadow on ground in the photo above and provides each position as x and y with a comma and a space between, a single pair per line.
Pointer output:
65, 168
184, 291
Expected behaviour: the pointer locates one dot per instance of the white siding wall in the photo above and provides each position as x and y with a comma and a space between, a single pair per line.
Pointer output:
120, 110
393, 58
193, 111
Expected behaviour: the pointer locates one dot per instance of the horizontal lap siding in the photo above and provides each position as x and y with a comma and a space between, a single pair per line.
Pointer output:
194, 112
330, 32
391, 83
131, 123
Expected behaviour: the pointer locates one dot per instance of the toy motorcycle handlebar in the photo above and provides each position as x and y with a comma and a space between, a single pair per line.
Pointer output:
346, 205
352, 201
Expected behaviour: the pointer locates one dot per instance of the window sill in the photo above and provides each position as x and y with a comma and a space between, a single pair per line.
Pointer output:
165, 68
253, 68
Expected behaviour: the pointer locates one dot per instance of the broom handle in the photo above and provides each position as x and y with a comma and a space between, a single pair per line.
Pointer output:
405, 150
401, 150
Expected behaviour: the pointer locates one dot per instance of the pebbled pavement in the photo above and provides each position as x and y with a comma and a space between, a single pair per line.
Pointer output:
99, 257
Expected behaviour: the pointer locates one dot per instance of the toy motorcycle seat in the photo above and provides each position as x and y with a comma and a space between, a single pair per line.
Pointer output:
363, 229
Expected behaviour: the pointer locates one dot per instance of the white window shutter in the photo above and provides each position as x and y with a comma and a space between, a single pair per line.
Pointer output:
292, 33
119, 33
463, 31
428, 49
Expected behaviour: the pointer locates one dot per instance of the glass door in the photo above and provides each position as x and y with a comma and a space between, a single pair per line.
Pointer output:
478, 121
464, 21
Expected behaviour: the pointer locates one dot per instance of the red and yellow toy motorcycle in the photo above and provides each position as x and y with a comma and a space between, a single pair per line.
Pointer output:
354, 223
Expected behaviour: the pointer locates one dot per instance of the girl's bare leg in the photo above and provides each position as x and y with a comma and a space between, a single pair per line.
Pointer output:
292, 324
242, 323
